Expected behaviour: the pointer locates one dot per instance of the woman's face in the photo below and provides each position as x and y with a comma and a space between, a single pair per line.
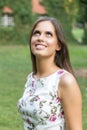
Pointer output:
44, 41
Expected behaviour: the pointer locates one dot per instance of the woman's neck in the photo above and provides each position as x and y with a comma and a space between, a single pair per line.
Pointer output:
45, 68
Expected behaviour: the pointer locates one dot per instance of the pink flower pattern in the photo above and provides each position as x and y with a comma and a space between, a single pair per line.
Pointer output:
40, 103
52, 118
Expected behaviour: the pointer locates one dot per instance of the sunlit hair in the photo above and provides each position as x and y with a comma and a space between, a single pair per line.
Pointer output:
61, 59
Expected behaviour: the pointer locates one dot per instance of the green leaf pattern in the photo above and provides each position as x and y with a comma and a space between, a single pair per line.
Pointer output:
40, 105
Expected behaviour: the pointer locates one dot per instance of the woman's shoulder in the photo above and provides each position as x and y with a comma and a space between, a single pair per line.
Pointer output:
28, 79
68, 84
29, 75
67, 79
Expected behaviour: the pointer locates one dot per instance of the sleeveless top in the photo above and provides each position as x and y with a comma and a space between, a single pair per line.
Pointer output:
40, 106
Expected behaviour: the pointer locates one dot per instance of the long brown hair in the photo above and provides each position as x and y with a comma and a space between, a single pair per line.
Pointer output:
61, 59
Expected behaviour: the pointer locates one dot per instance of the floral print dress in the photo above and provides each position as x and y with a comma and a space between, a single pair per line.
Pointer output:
40, 105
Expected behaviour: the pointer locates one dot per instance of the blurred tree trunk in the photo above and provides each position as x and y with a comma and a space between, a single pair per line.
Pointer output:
83, 18
85, 28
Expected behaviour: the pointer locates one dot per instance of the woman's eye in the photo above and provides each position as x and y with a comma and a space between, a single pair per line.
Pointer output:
49, 34
36, 33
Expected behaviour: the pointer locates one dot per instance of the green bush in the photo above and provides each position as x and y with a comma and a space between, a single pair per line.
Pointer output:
13, 35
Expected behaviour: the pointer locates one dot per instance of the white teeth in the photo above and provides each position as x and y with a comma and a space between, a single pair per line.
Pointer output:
40, 46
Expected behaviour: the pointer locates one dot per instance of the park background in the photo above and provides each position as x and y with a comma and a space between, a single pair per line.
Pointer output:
16, 18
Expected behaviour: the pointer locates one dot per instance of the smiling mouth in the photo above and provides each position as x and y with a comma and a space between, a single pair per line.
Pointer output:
40, 46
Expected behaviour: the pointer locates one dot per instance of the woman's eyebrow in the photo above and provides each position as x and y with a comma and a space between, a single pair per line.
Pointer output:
49, 32
36, 31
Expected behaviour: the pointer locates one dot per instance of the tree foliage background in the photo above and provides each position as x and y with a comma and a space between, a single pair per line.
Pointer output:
68, 12
83, 17
22, 9
65, 11
22, 15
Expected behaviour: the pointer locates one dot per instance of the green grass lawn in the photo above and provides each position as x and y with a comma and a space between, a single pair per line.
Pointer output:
15, 64
78, 55
14, 67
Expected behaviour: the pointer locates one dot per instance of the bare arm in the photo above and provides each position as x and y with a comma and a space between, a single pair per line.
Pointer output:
70, 95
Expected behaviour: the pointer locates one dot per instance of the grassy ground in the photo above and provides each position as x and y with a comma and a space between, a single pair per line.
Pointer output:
78, 55
15, 65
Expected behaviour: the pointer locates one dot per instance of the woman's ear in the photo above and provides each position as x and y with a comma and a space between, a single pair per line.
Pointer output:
58, 48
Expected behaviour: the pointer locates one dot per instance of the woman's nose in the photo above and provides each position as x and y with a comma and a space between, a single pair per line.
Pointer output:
41, 37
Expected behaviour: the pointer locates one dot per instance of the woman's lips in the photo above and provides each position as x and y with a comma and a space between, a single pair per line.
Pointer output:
40, 46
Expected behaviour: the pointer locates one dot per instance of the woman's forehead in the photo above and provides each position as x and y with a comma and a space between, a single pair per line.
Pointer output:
45, 25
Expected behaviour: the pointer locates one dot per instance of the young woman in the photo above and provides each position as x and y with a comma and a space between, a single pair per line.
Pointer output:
52, 98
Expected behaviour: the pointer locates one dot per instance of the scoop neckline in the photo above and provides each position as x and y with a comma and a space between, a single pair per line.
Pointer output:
45, 77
